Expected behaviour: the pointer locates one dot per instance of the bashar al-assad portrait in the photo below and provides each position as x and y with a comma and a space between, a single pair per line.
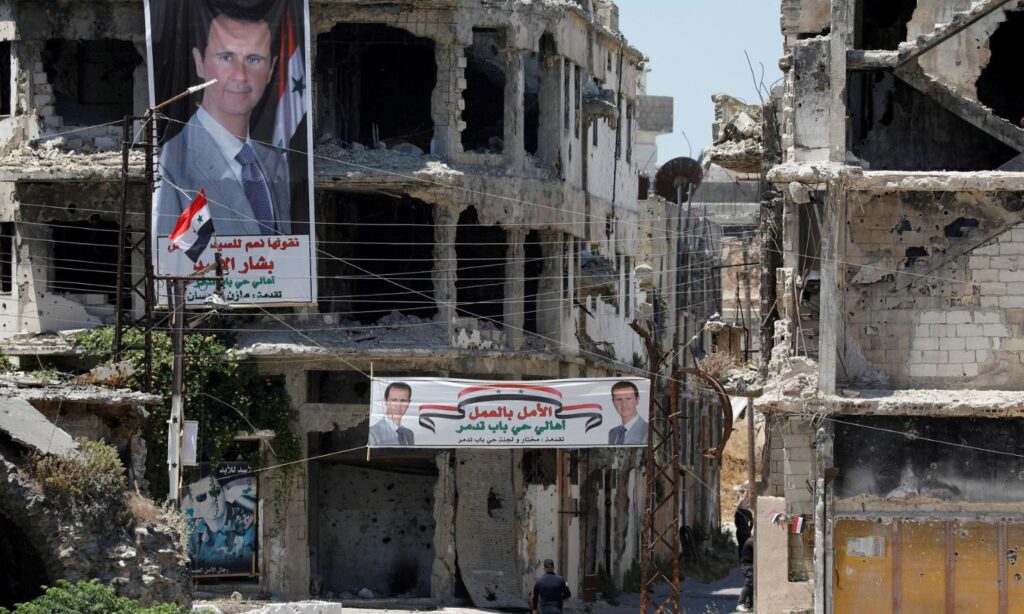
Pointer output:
243, 139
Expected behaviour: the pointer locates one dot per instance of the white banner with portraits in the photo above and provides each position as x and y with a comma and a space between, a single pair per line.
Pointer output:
234, 171
452, 413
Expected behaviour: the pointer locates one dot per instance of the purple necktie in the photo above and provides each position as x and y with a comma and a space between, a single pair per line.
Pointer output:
256, 190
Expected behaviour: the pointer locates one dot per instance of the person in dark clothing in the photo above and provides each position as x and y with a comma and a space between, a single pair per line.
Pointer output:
549, 591
746, 601
744, 520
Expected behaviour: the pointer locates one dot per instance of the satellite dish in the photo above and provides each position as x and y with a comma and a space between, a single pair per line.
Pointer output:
677, 173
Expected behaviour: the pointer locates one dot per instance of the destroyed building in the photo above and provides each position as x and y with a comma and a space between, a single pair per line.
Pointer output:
483, 156
892, 233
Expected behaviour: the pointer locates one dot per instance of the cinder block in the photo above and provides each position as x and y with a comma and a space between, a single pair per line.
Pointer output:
952, 343
989, 317
926, 343
938, 330
971, 370
979, 263
982, 356
1001, 262
39, 78
995, 288
949, 371
935, 317
978, 343
989, 249
998, 330
958, 317
1008, 302
939, 357
986, 274
923, 370
1011, 248
989, 301
962, 356
798, 453
968, 330
1009, 275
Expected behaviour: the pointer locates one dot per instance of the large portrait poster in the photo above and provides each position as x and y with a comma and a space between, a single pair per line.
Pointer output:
451, 413
221, 509
234, 170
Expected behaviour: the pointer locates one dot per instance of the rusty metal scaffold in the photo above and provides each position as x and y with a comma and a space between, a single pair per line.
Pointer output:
664, 466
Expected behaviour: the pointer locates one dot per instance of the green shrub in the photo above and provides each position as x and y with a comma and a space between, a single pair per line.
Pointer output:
86, 479
87, 598
227, 394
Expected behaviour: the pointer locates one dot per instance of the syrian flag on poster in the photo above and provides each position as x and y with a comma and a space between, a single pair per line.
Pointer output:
194, 229
291, 84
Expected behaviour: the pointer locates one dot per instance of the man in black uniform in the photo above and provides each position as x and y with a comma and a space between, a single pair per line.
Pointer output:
746, 601
549, 591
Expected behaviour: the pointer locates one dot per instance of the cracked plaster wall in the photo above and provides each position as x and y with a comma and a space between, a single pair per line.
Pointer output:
939, 300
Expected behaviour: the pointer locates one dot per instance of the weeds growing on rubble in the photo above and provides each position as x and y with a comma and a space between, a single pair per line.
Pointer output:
87, 480
88, 596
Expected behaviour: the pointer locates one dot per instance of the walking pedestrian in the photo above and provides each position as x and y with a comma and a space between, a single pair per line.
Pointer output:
744, 520
746, 600
549, 591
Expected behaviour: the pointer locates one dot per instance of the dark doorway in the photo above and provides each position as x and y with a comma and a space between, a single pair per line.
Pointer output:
883, 23
480, 282
22, 573
84, 257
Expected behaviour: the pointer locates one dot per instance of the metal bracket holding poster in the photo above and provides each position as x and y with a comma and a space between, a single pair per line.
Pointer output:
246, 148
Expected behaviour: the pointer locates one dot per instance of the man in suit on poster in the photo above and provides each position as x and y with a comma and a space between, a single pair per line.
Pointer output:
388, 431
633, 430
247, 183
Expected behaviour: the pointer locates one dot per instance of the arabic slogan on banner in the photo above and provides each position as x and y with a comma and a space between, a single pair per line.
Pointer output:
439, 413
234, 170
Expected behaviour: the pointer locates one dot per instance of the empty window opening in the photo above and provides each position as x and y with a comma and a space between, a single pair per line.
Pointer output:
883, 23
93, 81
382, 254
999, 86
618, 129
960, 228
540, 467
21, 567
485, 92
895, 127
533, 268
5, 77
342, 387
6, 257
378, 82
84, 258
531, 102
480, 273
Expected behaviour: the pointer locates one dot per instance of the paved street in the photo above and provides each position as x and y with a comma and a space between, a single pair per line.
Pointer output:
697, 598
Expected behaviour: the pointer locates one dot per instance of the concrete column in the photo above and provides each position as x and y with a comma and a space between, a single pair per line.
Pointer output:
549, 289
515, 154
840, 40
443, 274
551, 110
515, 290
442, 576
446, 100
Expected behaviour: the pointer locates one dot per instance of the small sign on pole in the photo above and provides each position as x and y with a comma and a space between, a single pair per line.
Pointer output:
189, 443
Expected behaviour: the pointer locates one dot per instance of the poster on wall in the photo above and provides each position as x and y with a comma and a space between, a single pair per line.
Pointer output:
234, 174
451, 413
221, 510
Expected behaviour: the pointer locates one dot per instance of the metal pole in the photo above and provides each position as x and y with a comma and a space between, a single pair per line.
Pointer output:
751, 487
176, 296
746, 290
122, 240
